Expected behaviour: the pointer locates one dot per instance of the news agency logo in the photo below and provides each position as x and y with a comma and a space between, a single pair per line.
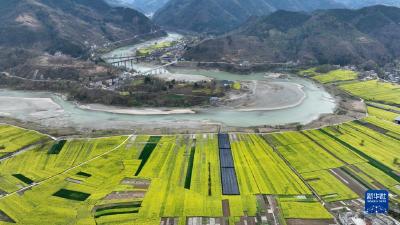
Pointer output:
377, 202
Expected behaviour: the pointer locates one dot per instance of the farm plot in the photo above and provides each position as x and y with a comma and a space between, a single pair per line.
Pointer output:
297, 208
38, 164
13, 139
382, 114
261, 171
167, 167
336, 75
341, 152
384, 106
387, 125
375, 177
377, 148
375, 91
328, 187
67, 200
302, 153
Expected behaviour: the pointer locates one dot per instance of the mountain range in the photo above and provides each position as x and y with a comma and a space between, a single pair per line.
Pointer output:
148, 7
365, 3
216, 16
68, 26
337, 36
51, 39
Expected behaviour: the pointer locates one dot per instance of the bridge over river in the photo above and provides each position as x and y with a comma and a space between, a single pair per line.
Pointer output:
129, 61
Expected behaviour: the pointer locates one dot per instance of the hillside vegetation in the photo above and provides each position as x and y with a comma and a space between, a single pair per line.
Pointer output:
67, 26
358, 36
223, 15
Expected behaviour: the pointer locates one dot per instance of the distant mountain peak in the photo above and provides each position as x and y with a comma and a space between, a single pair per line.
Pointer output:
223, 15
148, 7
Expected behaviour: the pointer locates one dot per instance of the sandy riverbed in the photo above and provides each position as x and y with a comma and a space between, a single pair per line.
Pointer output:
31, 106
184, 77
267, 96
135, 111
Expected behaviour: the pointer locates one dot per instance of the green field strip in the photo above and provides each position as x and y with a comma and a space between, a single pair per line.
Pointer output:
375, 91
271, 174
124, 208
340, 151
375, 174
360, 177
384, 107
13, 139
118, 206
146, 152
371, 160
380, 128
382, 114
23, 178
388, 125
189, 172
335, 76
116, 212
246, 175
293, 208
57, 147
83, 174
303, 154
72, 195
328, 187
373, 141
374, 144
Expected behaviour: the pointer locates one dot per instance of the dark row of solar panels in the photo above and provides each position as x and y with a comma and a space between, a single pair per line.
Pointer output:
223, 141
228, 174
229, 181
226, 159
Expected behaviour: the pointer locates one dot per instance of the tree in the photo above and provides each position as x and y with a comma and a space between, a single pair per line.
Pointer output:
147, 80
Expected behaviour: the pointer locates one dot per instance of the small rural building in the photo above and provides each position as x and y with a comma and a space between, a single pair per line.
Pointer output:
397, 120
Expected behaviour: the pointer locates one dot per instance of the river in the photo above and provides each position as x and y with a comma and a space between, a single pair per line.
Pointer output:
52, 110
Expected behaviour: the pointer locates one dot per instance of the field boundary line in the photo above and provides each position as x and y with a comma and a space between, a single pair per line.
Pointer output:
11, 125
295, 171
20, 151
67, 170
